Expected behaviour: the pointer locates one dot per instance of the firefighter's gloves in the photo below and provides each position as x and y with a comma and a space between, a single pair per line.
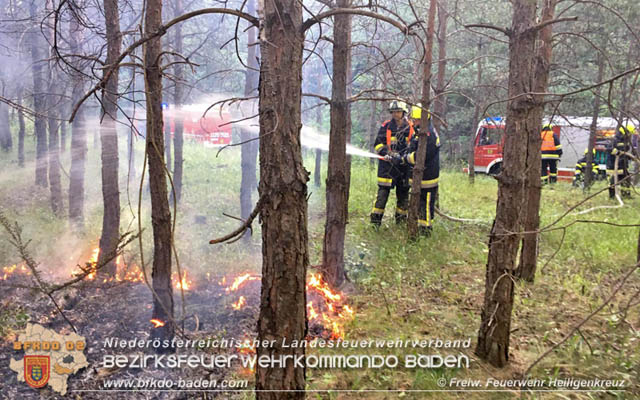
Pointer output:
394, 158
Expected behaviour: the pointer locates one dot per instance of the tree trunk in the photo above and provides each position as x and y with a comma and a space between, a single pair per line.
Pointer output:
440, 103
40, 126
21, 128
109, 143
373, 123
521, 124
418, 169
160, 212
593, 129
337, 192
249, 148
55, 186
178, 94
283, 193
542, 64
78, 136
476, 119
53, 100
6, 141
167, 142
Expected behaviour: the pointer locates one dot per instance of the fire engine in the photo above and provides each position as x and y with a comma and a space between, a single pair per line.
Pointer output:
210, 127
574, 137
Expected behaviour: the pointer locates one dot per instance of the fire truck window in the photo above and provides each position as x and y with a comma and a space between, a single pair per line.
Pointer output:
489, 137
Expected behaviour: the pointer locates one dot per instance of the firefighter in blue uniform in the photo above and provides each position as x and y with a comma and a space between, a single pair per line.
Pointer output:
431, 174
392, 143
551, 150
621, 143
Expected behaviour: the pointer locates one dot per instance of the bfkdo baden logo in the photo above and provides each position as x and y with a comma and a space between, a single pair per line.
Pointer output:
36, 370
49, 357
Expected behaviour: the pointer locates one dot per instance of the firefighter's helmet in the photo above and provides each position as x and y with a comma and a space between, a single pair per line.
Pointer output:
628, 129
397, 105
416, 112
547, 127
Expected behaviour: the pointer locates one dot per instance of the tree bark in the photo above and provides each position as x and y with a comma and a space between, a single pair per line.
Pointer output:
249, 148
337, 192
78, 136
418, 169
109, 144
283, 193
593, 129
21, 128
504, 239
178, 94
160, 212
40, 126
542, 64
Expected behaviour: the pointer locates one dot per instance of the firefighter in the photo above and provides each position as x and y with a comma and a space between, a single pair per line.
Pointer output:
551, 152
392, 143
581, 168
431, 174
621, 143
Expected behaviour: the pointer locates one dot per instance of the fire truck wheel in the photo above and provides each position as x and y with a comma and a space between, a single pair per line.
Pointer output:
495, 170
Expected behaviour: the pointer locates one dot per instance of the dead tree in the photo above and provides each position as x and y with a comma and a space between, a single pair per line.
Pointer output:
109, 140
160, 212
283, 193
418, 169
338, 168
541, 67
440, 102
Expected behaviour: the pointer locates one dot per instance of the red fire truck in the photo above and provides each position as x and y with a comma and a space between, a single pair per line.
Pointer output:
573, 133
210, 127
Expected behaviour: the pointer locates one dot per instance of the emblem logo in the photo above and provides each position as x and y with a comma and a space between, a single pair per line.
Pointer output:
36, 370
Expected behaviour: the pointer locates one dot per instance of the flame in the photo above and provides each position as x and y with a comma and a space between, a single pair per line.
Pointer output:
325, 307
157, 323
239, 281
247, 348
183, 283
240, 303
14, 269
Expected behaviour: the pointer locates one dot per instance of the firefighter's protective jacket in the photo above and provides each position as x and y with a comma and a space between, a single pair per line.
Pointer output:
392, 138
620, 143
551, 148
581, 166
431, 173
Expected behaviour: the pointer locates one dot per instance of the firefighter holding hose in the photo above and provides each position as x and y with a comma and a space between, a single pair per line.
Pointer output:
431, 174
391, 144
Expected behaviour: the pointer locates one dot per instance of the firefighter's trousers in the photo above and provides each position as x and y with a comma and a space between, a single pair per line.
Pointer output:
549, 170
427, 209
625, 185
402, 203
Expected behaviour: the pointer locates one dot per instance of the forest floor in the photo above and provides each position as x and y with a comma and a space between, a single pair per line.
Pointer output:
429, 289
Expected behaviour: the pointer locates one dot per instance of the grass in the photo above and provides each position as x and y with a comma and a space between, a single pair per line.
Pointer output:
431, 288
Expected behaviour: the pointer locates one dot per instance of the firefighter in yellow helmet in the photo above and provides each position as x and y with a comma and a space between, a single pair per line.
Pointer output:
392, 142
551, 150
621, 143
581, 168
431, 174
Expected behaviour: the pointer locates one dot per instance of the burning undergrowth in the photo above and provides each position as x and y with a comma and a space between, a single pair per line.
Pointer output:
120, 305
